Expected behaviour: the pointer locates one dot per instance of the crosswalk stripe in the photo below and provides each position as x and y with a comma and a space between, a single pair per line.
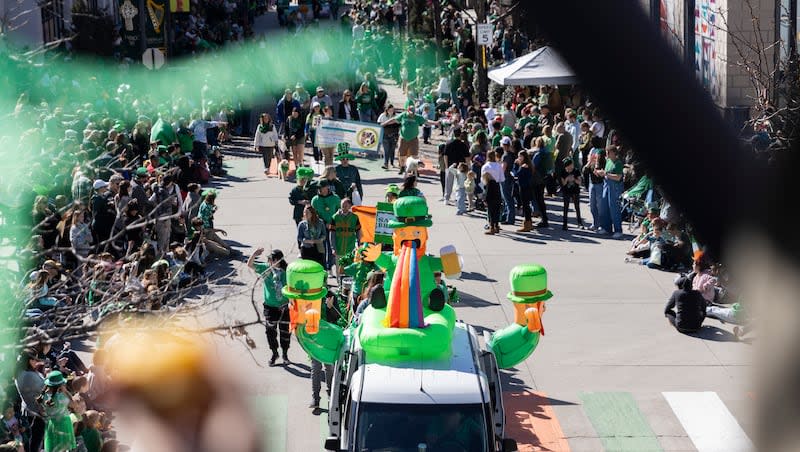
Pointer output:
619, 423
707, 421
531, 421
271, 412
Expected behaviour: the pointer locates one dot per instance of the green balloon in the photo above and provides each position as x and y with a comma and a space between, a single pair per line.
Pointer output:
401, 344
326, 345
512, 345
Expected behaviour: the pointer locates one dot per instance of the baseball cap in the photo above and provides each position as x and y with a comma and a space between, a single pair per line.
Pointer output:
99, 183
319, 88
315, 104
505, 140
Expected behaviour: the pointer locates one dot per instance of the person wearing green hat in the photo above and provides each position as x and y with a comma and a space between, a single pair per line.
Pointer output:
392, 193
347, 173
58, 434
302, 194
513, 344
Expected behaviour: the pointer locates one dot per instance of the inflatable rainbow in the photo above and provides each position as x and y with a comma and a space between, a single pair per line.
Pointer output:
404, 307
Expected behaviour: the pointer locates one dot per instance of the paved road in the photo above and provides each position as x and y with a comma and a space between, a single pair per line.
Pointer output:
610, 374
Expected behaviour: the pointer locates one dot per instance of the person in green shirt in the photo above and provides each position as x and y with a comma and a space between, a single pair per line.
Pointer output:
365, 103
612, 190
409, 134
345, 232
326, 203
276, 305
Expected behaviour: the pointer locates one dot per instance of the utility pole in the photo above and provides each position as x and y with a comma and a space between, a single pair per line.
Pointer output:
480, 50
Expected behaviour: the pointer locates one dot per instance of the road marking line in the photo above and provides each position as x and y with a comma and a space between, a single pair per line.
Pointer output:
619, 423
271, 412
707, 421
531, 421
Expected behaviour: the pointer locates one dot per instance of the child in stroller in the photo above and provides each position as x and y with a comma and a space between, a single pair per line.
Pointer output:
215, 162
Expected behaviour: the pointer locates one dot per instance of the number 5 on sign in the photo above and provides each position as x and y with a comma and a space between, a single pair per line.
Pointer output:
484, 34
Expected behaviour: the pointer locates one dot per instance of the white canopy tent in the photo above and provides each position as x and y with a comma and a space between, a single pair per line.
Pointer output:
543, 66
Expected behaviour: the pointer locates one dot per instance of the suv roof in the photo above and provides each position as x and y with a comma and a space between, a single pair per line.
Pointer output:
448, 381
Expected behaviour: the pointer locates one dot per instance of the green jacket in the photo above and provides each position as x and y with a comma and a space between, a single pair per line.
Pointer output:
326, 206
299, 194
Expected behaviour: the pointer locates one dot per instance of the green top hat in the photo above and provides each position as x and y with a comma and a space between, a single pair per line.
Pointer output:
506, 131
393, 188
305, 280
343, 152
305, 172
410, 211
528, 284
55, 378
142, 171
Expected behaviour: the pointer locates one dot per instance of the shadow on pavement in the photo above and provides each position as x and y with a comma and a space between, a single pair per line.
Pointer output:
473, 276
714, 333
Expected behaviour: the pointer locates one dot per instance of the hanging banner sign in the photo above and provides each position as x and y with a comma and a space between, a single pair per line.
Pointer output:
362, 136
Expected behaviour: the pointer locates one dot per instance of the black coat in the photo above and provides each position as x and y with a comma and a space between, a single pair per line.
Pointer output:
353, 110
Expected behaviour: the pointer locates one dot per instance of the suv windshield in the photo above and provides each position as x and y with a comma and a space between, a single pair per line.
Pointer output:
400, 428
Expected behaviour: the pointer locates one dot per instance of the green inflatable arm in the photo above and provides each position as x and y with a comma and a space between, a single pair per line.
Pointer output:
512, 345
326, 345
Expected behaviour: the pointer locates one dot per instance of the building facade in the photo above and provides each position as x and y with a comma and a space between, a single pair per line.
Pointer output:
739, 49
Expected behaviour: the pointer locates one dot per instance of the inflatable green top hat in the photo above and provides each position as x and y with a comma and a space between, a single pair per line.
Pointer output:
305, 172
506, 131
528, 284
393, 188
343, 152
305, 280
411, 211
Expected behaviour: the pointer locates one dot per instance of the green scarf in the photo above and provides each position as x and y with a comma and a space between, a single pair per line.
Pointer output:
264, 128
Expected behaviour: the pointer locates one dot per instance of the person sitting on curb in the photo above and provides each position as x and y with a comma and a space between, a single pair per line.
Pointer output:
689, 304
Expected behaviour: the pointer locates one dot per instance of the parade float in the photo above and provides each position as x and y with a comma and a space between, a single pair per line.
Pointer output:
410, 320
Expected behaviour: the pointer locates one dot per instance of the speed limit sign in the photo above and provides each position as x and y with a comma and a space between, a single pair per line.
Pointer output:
484, 34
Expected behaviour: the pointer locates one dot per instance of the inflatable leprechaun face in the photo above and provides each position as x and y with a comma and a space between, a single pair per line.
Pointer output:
411, 225
408, 235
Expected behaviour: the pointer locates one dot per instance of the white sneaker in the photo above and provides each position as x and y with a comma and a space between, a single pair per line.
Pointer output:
617, 236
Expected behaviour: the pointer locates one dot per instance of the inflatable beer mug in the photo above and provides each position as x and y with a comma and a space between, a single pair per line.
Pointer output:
451, 262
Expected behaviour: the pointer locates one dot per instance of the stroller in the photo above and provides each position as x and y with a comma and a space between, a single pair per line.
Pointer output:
636, 201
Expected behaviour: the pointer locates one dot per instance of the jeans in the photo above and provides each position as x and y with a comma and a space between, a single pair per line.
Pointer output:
612, 190
525, 196
277, 320
461, 200
575, 199
541, 207
449, 178
507, 190
163, 233
316, 378
389, 146
366, 115
314, 148
596, 207
266, 154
